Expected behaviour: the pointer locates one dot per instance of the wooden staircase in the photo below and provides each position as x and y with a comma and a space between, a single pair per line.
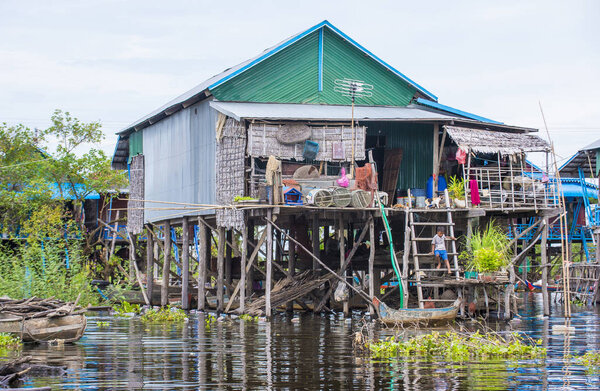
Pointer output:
422, 224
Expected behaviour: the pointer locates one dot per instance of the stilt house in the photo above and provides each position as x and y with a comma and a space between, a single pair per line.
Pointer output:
297, 115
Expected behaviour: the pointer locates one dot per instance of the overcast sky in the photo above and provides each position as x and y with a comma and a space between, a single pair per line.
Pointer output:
115, 61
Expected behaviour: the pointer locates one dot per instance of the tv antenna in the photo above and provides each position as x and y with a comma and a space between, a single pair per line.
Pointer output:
354, 89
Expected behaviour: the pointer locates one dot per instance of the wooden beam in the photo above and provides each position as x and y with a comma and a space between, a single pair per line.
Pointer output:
220, 268
371, 263
316, 245
228, 261
291, 258
342, 248
185, 265
149, 263
164, 289
203, 261
269, 265
242, 280
544, 264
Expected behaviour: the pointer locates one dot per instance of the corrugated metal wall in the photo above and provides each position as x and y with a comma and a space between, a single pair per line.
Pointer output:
416, 141
292, 76
180, 159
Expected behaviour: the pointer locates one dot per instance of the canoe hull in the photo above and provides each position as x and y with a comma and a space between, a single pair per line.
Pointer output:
392, 316
68, 328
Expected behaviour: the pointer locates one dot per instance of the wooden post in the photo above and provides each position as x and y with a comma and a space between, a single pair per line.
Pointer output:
269, 264
149, 264
243, 267
342, 244
436, 154
220, 268
291, 256
250, 272
164, 289
203, 261
371, 263
316, 245
185, 265
228, 254
544, 264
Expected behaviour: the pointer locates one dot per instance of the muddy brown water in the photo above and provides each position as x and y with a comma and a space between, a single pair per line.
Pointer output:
313, 353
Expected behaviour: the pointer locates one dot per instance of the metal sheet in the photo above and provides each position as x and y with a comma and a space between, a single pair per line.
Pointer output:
290, 111
180, 160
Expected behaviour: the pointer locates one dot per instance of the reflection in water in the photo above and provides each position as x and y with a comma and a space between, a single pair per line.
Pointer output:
315, 352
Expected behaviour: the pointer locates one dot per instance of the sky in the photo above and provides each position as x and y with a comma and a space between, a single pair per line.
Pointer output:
116, 61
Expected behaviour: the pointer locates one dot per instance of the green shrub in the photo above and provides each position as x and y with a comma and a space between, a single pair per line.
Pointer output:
10, 342
456, 188
127, 308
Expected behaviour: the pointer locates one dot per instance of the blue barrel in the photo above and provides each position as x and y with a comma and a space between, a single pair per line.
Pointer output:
430, 187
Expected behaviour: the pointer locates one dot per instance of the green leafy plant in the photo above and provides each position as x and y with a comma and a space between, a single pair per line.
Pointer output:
10, 342
458, 347
125, 308
487, 251
591, 360
101, 324
165, 315
456, 188
209, 320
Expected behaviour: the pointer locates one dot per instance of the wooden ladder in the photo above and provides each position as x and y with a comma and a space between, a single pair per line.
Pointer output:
415, 238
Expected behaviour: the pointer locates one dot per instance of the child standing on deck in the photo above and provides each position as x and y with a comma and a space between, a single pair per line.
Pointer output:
438, 248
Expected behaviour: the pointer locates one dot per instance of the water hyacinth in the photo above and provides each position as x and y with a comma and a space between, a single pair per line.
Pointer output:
458, 347
165, 315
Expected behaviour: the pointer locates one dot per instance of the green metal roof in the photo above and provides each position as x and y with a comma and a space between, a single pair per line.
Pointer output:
304, 68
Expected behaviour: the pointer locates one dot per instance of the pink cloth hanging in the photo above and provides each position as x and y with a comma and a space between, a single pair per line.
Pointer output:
461, 156
475, 200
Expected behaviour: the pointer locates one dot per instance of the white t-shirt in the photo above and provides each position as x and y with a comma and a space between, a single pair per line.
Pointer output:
439, 242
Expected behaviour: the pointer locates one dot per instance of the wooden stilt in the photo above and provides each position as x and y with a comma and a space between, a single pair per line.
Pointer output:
250, 271
185, 265
342, 244
149, 264
544, 263
291, 257
316, 245
243, 260
269, 265
203, 261
371, 263
220, 269
164, 289
228, 254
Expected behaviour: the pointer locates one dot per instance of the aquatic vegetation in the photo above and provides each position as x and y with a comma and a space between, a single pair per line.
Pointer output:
209, 320
591, 360
102, 324
125, 308
240, 198
487, 251
458, 347
10, 342
249, 318
165, 315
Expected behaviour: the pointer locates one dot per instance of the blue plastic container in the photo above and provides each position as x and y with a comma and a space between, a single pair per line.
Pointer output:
418, 192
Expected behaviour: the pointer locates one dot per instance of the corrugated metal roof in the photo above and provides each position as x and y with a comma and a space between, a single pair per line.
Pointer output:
202, 90
593, 146
486, 141
290, 111
452, 110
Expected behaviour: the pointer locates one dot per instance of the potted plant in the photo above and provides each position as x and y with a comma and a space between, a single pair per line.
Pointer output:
487, 252
456, 191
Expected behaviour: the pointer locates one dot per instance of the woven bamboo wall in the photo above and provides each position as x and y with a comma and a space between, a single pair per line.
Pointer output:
262, 142
135, 211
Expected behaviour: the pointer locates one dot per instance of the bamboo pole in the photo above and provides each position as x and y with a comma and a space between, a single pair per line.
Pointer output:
203, 261
164, 289
185, 265
371, 262
149, 264
220, 269
291, 258
243, 259
269, 264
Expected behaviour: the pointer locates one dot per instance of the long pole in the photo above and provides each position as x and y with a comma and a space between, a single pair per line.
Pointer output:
353, 139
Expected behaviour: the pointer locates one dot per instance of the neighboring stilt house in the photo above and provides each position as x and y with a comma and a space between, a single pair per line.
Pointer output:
219, 160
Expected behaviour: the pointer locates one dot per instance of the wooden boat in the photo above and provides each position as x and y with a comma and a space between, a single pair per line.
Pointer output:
392, 316
68, 328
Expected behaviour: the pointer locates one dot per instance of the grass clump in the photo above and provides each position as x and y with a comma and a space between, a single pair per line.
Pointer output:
165, 315
487, 251
457, 347
10, 342
125, 308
